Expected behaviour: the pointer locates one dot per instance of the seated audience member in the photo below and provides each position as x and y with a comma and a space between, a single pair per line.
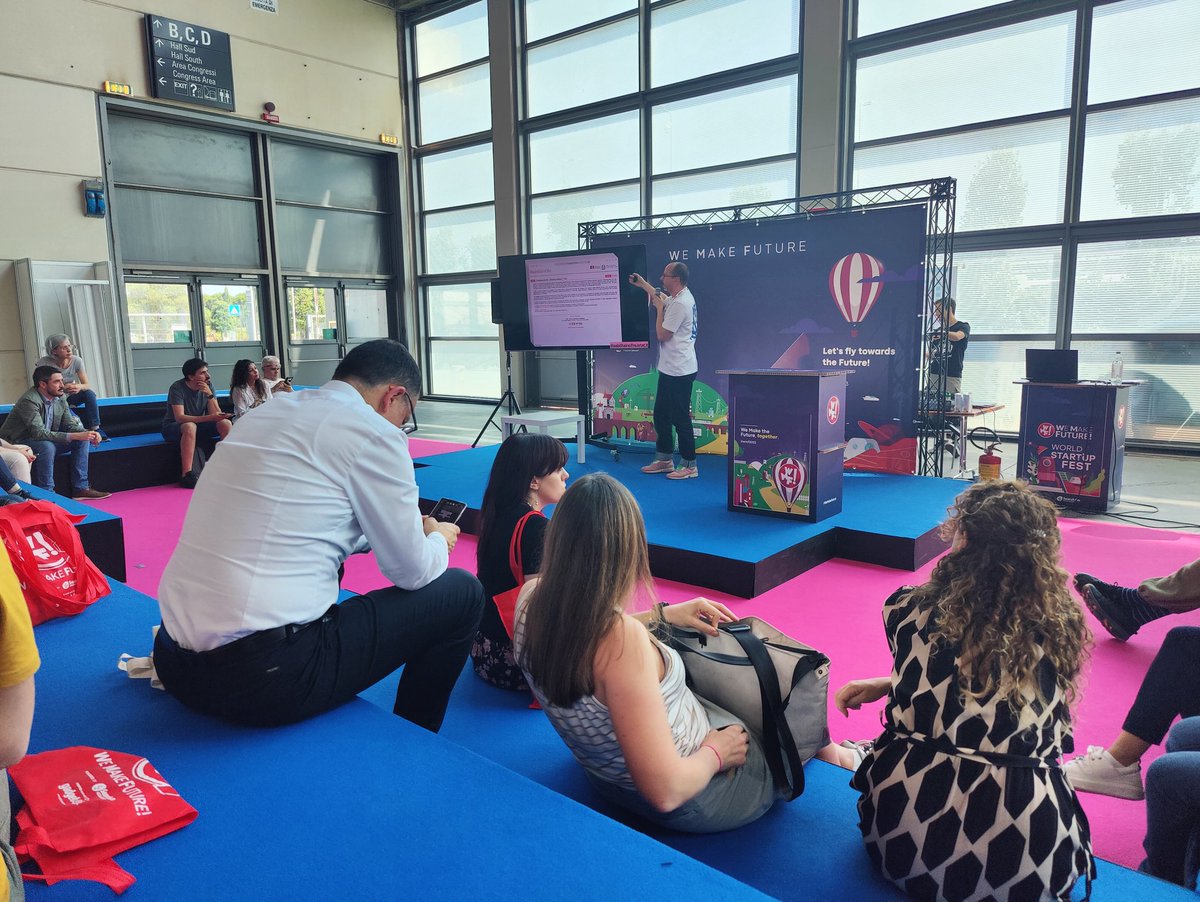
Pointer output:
252, 631
246, 390
18, 663
42, 420
962, 795
192, 414
272, 375
1124, 611
61, 353
1173, 807
617, 696
527, 475
1170, 689
10, 489
19, 459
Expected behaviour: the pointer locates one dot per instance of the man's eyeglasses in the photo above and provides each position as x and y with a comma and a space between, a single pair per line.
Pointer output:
411, 425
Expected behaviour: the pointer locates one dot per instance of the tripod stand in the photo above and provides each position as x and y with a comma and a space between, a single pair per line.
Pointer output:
513, 406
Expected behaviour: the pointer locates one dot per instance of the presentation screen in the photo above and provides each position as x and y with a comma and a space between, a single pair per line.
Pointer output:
574, 300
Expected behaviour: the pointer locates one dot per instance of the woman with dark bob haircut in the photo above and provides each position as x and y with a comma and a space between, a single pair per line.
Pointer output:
963, 796
617, 696
528, 475
246, 390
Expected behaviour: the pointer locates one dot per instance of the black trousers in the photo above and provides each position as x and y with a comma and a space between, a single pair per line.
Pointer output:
673, 408
1171, 687
291, 673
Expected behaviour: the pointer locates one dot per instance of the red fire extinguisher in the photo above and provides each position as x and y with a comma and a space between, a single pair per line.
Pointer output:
989, 463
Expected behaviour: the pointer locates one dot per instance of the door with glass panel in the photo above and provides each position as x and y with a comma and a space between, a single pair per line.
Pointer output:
326, 318
174, 317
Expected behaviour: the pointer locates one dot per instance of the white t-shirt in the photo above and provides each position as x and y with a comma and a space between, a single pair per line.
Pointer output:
677, 355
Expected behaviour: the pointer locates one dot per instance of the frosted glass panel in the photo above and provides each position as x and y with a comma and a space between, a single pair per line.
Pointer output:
700, 37
461, 240
460, 310
169, 155
1144, 47
469, 369
1013, 290
884, 15
1142, 161
1007, 177
754, 184
554, 225
329, 178
1138, 286
588, 153
451, 40
458, 177
743, 123
546, 17
583, 69
957, 81
331, 241
455, 104
218, 232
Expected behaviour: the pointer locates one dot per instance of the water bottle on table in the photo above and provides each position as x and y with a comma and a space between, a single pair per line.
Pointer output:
1117, 370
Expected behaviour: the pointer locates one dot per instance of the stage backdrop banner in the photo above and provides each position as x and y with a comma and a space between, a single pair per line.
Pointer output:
837, 290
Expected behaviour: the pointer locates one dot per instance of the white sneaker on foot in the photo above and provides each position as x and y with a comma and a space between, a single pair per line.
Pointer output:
659, 466
1100, 772
684, 473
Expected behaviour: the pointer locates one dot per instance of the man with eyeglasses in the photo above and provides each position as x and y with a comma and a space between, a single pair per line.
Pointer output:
251, 628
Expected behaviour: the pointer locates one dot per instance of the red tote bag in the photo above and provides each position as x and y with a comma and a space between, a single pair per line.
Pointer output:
56, 576
84, 805
506, 602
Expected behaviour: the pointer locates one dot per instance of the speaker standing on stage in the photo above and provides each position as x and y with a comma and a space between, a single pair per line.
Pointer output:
675, 327
959, 333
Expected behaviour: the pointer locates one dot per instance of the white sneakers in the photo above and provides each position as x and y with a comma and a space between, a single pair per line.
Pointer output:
1098, 771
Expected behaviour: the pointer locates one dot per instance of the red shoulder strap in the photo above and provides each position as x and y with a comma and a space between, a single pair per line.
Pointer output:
514, 547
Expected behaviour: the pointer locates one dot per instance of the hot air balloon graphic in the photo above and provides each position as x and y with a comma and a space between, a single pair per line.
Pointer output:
790, 477
854, 297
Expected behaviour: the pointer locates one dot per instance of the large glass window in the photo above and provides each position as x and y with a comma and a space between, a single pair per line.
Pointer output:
699, 37
158, 313
955, 81
230, 312
548, 17
312, 313
1096, 250
456, 192
609, 56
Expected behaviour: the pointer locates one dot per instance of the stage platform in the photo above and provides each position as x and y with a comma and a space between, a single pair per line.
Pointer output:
886, 519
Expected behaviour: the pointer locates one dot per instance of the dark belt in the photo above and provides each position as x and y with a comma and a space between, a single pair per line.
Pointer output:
248, 645
945, 746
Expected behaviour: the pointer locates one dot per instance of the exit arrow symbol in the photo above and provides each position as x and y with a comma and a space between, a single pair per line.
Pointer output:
162, 81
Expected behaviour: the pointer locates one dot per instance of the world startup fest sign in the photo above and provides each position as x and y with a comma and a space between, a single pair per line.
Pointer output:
189, 63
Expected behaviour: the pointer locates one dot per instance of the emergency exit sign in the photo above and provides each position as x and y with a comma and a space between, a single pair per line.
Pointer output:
189, 63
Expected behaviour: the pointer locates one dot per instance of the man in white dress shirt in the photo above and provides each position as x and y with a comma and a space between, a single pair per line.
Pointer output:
251, 631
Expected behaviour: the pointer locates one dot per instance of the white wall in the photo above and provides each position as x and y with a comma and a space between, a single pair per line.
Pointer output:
327, 65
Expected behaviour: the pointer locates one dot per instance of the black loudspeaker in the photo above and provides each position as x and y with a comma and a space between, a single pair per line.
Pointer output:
497, 316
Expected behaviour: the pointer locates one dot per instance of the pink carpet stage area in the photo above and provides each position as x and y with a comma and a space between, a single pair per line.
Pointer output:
836, 608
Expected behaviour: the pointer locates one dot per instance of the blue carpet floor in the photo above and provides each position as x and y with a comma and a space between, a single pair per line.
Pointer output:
356, 804
807, 849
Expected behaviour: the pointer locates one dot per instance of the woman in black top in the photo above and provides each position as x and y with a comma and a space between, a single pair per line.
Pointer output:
527, 475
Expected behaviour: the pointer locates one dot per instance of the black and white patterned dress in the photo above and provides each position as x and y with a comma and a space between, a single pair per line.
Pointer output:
968, 802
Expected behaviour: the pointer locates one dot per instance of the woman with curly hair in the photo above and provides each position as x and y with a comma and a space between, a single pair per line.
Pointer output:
963, 796
246, 389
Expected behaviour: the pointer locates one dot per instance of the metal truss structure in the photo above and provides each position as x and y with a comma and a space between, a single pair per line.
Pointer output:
937, 194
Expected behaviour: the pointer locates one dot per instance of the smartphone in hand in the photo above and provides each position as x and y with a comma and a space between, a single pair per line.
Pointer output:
447, 510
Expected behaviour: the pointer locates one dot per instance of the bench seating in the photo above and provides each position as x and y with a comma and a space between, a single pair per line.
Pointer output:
137, 456
357, 803
102, 533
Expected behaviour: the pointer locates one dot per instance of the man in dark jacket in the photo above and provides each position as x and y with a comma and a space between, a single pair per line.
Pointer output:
42, 420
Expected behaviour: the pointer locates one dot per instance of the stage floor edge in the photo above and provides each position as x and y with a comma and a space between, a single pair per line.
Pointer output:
886, 519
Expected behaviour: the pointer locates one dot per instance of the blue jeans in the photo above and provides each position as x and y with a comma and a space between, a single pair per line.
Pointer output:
7, 479
1173, 806
43, 467
91, 410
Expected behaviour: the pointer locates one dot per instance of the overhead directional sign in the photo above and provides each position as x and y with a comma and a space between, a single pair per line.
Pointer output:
189, 62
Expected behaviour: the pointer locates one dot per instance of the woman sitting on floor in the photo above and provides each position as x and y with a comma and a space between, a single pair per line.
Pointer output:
527, 475
962, 795
616, 696
246, 390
